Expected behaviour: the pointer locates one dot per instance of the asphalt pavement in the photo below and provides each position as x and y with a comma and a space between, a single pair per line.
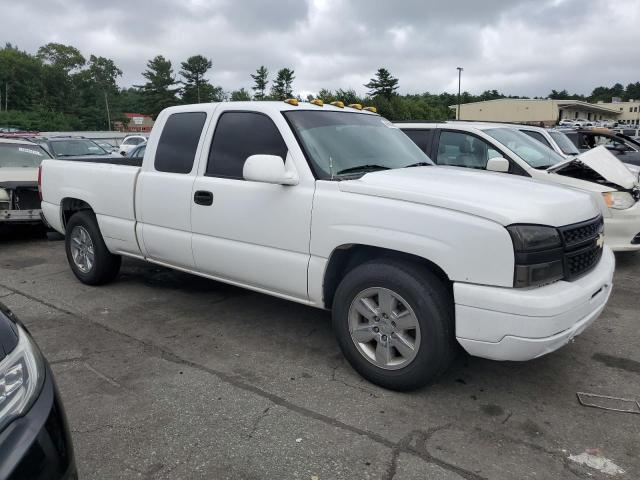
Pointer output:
168, 375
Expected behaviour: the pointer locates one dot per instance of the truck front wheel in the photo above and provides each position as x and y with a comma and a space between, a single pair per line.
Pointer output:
394, 322
88, 256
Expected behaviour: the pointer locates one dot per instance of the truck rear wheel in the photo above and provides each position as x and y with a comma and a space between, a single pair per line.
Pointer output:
88, 256
394, 322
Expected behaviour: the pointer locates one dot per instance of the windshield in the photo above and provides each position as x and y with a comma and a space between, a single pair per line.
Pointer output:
132, 141
566, 145
345, 143
21, 156
76, 147
530, 150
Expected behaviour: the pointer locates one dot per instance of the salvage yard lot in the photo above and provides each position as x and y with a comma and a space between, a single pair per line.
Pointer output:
167, 375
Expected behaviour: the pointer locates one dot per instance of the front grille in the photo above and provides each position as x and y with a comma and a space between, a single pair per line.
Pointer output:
582, 244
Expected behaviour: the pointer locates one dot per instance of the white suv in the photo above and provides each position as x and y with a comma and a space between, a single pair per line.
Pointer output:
502, 148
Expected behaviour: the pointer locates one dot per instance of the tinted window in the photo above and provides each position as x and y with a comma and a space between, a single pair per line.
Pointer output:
21, 156
178, 142
76, 148
239, 135
421, 138
139, 152
537, 136
463, 150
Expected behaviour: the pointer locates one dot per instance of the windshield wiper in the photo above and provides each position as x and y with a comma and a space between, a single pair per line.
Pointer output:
419, 164
362, 168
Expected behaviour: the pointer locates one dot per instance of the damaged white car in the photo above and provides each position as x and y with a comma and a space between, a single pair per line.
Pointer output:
19, 197
503, 148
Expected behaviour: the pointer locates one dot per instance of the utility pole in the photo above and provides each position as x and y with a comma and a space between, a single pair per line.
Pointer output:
108, 114
459, 82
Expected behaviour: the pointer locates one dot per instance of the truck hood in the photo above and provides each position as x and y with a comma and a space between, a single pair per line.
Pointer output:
604, 164
505, 199
11, 175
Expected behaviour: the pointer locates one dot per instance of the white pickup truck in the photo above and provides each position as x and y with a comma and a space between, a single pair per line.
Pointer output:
338, 209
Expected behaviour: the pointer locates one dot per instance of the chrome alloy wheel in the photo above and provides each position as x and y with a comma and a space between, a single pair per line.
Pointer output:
82, 250
384, 328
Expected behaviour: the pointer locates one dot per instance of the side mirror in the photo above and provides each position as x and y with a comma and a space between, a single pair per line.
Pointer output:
498, 164
267, 169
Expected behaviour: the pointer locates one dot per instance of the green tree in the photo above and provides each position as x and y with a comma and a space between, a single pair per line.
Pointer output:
159, 92
20, 79
63, 57
260, 79
632, 91
196, 88
241, 95
282, 87
326, 95
384, 84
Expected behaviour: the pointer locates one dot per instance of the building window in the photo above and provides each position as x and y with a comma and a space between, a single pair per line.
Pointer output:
631, 109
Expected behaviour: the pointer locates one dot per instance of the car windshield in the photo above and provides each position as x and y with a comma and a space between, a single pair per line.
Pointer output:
341, 144
132, 141
75, 147
21, 156
566, 146
531, 151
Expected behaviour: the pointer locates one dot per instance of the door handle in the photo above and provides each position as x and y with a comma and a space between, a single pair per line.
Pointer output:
202, 197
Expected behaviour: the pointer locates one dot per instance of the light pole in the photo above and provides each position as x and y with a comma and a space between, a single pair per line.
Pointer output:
459, 81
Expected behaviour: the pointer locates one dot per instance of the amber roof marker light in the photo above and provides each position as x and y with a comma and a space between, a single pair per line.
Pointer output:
357, 106
292, 101
317, 102
338, 104
371, 109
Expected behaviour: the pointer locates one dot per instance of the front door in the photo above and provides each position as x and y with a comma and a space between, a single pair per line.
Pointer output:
251, 233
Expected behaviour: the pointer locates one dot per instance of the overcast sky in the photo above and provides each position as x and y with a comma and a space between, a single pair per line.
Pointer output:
520, 47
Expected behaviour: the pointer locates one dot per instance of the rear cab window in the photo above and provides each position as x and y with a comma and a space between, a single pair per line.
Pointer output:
178, 142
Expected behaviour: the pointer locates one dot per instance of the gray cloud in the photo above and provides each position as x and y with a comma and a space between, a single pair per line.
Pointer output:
522, 47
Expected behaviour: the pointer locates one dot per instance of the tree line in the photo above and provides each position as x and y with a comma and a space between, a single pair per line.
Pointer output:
57, 88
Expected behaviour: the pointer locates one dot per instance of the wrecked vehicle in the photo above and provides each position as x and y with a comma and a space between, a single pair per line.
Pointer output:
503, 148
19, 197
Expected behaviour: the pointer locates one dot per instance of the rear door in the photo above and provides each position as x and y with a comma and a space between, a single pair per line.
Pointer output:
163, 197
251, 233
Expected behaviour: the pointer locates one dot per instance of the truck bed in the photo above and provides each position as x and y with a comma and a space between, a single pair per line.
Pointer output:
107, 186
131, 162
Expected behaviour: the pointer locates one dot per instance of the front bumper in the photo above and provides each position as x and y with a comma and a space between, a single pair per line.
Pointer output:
20, 216
38, 444
621, 228
522, 324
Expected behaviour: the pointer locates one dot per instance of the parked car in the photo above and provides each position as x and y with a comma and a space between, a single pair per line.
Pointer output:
106, 146
552, 138
138, 152
65, 146
19, 198
130, 142
409, 257
575, 122
502, 148
622, 146
34, 437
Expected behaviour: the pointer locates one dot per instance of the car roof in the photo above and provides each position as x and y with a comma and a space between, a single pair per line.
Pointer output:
265, 107
17, 141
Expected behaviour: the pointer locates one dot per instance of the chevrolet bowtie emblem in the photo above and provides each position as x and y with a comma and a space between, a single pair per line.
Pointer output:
600, 240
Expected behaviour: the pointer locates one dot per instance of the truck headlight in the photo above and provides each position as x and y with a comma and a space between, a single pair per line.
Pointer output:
538, 255
619, 200
4, 199
21, 378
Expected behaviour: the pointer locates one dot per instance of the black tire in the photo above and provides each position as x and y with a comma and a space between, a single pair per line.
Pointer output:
106, 265
432, 303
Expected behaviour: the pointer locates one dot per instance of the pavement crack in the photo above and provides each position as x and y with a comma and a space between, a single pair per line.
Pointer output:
257, 421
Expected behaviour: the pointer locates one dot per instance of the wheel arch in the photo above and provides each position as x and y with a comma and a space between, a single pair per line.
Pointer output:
345, 258
69, 206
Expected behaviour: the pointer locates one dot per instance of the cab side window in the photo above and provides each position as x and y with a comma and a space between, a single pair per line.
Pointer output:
422, 138
463, 150
239, 135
